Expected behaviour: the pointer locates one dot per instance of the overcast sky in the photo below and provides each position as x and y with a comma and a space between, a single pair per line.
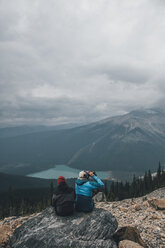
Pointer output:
77, 61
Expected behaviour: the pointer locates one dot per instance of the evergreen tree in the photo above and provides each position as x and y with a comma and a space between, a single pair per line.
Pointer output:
149, 181
141, 187
51, 190
162, 179
10, 201
23, 208
1, 212
137, 187
116, 191
106, 190
126, 190
158, 175
145, 182
111, 195
134, 187
120, 191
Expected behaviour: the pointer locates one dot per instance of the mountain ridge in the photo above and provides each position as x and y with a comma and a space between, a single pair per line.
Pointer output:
133, 142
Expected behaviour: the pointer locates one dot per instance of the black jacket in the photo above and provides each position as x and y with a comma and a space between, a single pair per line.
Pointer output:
63, 199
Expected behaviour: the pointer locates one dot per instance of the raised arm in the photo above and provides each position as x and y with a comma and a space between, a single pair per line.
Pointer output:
95, 185
101, 184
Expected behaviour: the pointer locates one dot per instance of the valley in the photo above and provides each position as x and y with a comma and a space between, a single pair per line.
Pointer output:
133, 142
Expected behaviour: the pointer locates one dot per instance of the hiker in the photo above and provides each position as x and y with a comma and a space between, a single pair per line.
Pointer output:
63, 198
84, 188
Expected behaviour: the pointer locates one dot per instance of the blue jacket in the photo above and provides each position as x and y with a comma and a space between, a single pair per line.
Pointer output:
84, 189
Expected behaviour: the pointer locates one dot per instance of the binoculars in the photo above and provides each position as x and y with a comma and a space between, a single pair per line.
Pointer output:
94, 172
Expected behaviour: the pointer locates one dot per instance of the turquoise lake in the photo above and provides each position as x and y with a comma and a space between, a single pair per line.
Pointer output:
66, 171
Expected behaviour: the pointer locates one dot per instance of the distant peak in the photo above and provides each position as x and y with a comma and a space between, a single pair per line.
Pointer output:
151, 111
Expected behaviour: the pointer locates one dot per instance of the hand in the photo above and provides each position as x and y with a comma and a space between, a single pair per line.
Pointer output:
90, 173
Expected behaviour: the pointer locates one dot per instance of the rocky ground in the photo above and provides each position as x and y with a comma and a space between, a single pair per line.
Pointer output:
141, 213
146, 213
8, 226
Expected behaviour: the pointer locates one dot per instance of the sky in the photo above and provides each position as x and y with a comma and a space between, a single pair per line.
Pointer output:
79, 61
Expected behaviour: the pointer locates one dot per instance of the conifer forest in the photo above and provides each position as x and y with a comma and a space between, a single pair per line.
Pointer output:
20, 202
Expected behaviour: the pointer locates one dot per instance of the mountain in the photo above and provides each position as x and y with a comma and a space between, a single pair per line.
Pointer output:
21, 130
130, 142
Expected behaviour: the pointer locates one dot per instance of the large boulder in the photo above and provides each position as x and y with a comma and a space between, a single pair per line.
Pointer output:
99, 197
5, 232
48, 230
129, 233
8, 226
158, 204
129, 244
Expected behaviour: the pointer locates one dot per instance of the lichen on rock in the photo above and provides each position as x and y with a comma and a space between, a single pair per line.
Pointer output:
48, 230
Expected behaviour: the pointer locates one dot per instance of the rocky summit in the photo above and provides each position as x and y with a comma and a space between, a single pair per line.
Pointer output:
131, 223
80, 230
145, 214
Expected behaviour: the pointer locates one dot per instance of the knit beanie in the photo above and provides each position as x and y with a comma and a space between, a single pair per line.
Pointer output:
60, 179
83, 175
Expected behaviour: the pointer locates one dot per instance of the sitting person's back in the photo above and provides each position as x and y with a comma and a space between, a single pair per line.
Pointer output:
63, 198
84, 189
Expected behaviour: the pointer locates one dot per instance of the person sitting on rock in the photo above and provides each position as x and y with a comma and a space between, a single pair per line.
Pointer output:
63, 198
84, 188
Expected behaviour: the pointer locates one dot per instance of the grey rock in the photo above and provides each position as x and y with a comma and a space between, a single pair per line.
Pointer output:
48, 230
158, 204
99, 197
129, 244
129, 233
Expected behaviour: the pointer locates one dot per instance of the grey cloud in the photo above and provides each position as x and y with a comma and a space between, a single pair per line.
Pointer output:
79, 61
126, 73
39, 111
